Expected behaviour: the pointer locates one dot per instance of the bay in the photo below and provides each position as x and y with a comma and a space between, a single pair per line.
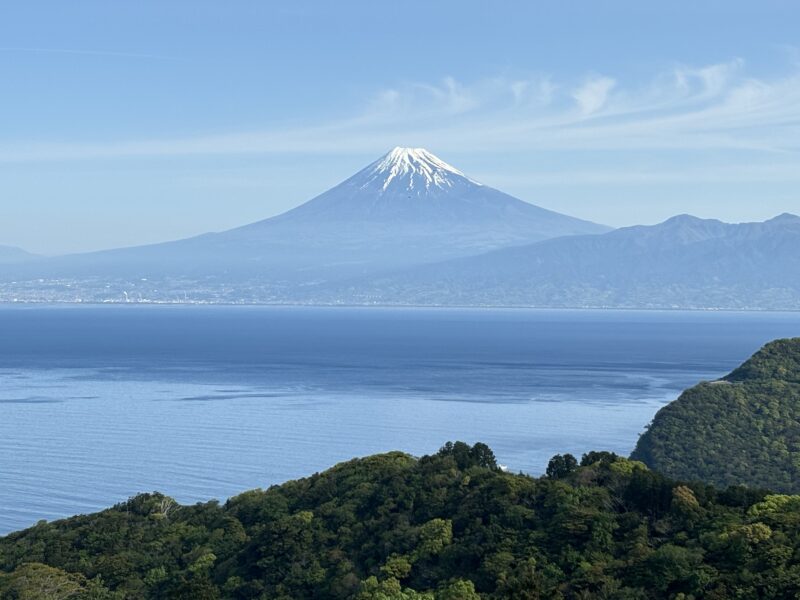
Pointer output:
98, 403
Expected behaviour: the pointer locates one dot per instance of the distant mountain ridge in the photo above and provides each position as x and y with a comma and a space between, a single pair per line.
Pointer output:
684, 262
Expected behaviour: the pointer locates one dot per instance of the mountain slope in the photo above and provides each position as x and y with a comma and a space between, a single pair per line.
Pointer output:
14, 255
743, 429
684, 262
410, 189
407, 208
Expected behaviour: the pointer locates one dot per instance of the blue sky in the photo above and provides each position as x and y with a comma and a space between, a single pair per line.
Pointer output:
134, 122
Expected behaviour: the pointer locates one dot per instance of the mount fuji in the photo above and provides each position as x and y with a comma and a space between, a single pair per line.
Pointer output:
407, 208
411, 186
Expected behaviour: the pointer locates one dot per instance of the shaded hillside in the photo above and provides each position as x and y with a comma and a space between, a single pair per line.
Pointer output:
445, 527
684, 262
744, 428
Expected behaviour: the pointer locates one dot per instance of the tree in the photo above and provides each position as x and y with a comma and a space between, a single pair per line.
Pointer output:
561, 465
459, 589
35, 581
483, 456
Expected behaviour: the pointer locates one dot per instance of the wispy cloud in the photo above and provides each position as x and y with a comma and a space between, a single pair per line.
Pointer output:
781, 172
710, 107
593, 94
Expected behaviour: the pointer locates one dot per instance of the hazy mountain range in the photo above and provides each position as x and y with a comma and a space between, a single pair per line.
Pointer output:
684, 262
412, 229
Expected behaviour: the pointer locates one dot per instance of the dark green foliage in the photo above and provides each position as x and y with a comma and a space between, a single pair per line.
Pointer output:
778, 360
445, 527
479, 455
561, 465
743, 429
593, 457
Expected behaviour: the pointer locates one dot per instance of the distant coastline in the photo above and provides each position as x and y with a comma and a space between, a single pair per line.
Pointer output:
45, 303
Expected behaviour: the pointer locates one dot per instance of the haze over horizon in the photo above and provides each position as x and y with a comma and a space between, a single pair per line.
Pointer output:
170, 121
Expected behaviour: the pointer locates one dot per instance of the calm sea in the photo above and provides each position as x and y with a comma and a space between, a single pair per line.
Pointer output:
99, 403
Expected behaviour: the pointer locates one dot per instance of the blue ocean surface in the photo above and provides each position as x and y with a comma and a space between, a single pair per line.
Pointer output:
98, 403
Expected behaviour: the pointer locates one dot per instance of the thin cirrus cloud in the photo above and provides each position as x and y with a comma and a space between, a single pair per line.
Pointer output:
715, 107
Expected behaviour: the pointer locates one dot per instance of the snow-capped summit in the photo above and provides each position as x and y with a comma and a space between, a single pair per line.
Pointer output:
412, 192
414, 169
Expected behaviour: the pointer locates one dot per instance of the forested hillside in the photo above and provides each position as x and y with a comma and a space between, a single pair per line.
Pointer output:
743, 429
446, 527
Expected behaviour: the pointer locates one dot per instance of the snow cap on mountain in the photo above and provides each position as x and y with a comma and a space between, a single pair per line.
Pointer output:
413, 169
